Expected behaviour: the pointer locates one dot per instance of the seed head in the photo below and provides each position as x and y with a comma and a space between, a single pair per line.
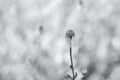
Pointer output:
41, 29
81, 2
70, 34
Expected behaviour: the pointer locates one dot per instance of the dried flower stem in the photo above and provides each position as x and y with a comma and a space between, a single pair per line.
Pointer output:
69, 35
71, 66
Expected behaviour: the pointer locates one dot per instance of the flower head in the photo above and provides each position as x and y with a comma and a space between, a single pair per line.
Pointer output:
41, 29
70, 34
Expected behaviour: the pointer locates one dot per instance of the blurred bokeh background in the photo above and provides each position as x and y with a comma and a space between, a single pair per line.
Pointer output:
33, 44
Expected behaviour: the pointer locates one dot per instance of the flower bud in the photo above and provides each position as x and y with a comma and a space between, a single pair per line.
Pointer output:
70, 34
41, 29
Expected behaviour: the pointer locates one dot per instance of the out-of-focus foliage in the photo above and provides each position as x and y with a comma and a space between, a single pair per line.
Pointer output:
28, 52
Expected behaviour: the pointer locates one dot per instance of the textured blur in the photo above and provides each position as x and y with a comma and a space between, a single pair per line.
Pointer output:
33, 44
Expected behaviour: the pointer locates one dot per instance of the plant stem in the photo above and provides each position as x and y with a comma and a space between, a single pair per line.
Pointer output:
72, 67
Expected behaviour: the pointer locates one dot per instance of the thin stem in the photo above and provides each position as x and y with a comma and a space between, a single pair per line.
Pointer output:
72, 67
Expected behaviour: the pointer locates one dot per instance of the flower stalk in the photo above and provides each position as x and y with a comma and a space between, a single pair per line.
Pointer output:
70, 34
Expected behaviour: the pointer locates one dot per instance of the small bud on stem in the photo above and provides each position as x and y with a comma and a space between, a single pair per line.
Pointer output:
70, 34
